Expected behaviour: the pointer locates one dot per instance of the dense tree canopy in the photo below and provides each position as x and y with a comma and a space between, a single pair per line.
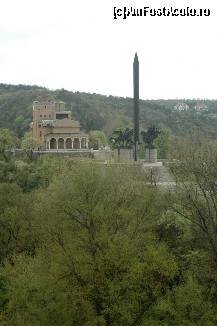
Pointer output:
88, 244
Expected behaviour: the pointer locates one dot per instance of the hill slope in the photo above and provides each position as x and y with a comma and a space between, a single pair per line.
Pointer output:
96, 111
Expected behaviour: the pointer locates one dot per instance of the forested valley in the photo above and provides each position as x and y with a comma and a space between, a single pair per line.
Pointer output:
90, 244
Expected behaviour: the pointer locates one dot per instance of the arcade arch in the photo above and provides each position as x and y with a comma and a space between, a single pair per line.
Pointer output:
68, 143
61, 143
53, 143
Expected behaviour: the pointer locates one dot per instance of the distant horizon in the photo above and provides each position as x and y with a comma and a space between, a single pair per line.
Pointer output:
107, 95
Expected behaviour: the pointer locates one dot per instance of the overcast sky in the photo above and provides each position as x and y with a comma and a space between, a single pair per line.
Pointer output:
77, 45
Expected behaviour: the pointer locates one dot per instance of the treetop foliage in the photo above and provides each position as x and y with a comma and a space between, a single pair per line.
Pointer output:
89, 244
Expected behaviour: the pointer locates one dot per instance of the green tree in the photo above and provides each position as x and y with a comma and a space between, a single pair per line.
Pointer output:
121, 138
150, 136
97, 139
16, 234
7, 164
195, 195
110, 272
29, 142
7, 142
187, 304
20, 125
162, 143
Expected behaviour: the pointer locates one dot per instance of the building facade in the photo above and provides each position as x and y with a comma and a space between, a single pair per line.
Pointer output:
181, 107
53, 126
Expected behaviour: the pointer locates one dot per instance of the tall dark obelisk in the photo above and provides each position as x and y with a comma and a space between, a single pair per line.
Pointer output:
136, 104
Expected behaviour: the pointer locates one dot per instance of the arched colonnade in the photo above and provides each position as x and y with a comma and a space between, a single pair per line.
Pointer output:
67, 143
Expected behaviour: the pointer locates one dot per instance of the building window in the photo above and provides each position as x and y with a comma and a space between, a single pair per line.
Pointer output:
45, 116
60, 116
40, 115
40, 133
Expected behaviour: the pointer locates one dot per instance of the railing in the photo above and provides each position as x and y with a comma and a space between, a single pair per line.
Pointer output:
81, 150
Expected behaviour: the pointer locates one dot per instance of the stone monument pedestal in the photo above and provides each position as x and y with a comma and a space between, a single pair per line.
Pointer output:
125, 155
151, 155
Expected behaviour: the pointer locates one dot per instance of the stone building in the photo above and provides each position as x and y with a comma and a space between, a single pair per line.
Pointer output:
201, 107
181, 107
53, 125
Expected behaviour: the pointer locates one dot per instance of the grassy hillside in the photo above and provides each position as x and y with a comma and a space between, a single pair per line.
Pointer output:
96, 111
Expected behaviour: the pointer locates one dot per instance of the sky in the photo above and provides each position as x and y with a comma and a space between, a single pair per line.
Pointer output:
79, 46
